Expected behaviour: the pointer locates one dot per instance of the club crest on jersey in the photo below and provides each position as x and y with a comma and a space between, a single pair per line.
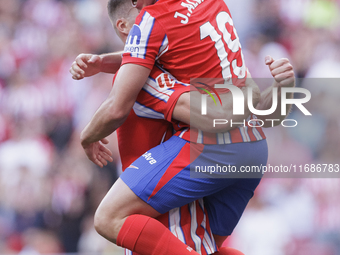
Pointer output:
133, 40
163, 81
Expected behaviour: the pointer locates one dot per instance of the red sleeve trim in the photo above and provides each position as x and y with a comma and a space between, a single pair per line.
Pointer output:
138, 61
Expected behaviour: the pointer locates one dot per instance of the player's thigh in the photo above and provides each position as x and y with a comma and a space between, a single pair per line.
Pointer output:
155, 176
120, 200
226, 206
118, 203
130, 193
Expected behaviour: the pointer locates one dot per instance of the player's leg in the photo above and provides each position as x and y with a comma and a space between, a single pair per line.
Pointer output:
124, 218
189, 224
226, 206
113, 210
164, 186
169, 181
121, 218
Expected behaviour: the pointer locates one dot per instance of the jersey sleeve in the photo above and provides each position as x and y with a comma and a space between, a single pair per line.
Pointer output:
168, 110
146, 41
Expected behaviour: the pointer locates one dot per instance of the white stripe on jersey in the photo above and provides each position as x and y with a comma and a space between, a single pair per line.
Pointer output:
175, 223
256, 134
163, 138
220, 138
208, 240
200, 136
146, 26
182, 133
128, 252
164, 47
153, 89
244, 134
145, 112
194, 236
227, 139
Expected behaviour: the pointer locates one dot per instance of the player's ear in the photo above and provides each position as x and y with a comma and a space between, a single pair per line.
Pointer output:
122, 26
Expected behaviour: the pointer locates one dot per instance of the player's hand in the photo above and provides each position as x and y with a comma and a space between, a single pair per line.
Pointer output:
282, 71
85, 65
97, 152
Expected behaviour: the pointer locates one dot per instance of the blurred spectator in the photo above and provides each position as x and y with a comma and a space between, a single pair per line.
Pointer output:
262, 230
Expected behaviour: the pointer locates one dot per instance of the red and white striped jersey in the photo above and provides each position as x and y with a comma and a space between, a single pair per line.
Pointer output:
149, 122
190, 39
139, 133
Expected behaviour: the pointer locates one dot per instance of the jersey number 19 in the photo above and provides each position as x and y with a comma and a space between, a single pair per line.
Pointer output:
234, 46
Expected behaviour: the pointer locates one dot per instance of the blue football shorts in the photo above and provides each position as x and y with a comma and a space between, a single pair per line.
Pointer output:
161, 177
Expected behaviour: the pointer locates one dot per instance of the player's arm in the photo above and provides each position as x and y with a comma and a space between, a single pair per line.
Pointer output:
113, 111
86, 65
188, 109
283, 73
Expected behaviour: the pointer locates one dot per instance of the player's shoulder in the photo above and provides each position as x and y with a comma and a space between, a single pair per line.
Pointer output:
157, 10
169, 11
160, 7
163, 9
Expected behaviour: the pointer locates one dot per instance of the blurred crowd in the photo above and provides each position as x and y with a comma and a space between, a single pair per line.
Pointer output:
49, 190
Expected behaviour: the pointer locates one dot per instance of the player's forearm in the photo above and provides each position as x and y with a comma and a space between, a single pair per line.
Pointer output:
111, 62
104, 122
225, 112
266, 103
189, 110
115, 109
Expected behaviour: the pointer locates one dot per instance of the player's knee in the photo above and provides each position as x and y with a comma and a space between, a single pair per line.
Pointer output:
106, 225
99, 222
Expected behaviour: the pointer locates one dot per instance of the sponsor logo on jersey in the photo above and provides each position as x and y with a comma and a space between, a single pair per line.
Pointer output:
163, 81
148, 157
133, 40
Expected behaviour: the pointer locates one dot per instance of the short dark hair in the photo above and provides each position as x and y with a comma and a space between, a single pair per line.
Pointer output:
113, 5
